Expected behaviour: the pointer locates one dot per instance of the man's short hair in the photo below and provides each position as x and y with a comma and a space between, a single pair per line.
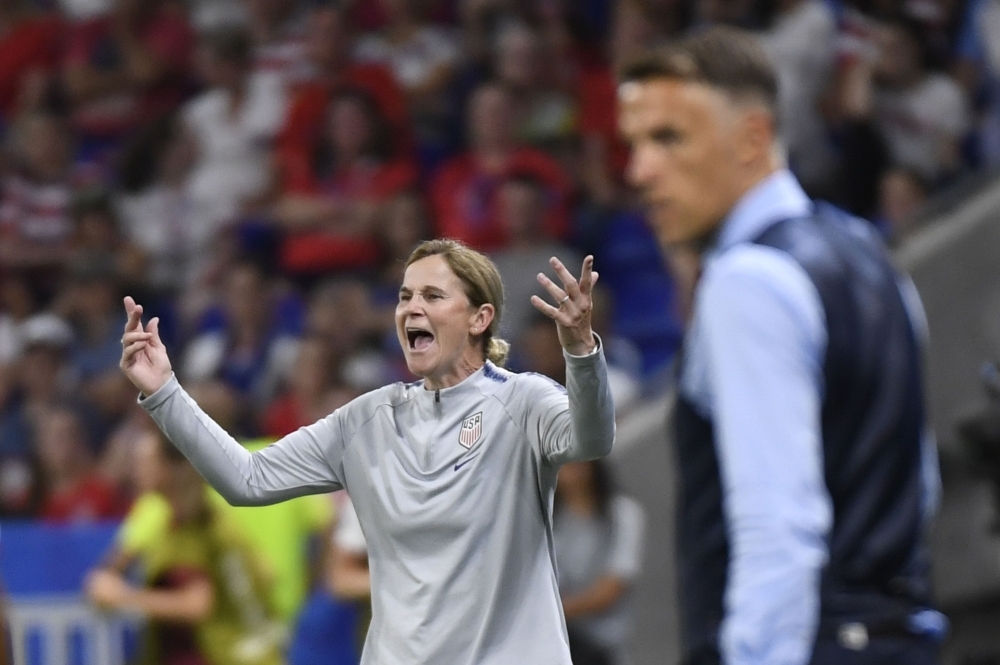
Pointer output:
728, 59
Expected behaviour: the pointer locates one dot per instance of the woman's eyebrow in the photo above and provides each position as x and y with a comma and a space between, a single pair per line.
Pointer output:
422, 289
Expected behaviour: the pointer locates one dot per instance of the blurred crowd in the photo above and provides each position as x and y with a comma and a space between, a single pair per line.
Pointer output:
255, 173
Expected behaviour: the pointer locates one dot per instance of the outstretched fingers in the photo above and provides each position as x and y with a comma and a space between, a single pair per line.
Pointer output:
570, 285
548, 310
153, 328
572, 300
136, 340
134, 312
558, 294
587, 275
130, 349
135, 336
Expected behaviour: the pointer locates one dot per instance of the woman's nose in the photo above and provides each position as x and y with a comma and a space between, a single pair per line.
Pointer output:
410, 307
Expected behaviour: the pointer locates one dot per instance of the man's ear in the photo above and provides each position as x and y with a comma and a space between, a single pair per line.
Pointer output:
756, 135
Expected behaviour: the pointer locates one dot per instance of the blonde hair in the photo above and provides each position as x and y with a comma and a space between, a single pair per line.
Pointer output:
482, 283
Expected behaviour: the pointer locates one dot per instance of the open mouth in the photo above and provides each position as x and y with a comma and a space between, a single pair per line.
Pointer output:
419, 339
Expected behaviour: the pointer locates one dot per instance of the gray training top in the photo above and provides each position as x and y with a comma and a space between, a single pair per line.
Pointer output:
453, 489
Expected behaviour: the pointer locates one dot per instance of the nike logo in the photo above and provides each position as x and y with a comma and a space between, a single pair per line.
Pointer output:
464, 462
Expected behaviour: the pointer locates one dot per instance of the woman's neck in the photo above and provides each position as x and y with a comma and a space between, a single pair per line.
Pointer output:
465, 368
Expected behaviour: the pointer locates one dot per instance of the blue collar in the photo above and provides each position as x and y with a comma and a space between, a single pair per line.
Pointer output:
775, 198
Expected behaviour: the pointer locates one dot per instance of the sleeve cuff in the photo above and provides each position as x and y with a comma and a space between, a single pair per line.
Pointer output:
598, 348
161, 395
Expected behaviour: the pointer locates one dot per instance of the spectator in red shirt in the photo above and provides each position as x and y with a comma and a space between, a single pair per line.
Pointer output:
30, 43
73, 492
335, 191
127, 68
465, 190
423, 56
279, 30
329, 46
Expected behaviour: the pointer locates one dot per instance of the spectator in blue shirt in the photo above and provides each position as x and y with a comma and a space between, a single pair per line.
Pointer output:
807, 470
250, 339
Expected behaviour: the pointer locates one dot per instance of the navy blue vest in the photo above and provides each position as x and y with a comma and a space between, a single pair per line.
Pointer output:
872, 422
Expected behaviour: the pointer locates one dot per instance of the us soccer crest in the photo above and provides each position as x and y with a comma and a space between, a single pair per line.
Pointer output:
472, 429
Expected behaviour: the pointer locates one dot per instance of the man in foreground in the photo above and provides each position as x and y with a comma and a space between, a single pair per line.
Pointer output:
807, 473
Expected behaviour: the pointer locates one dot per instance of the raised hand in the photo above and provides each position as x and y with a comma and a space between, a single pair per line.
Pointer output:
573, 306
144, 358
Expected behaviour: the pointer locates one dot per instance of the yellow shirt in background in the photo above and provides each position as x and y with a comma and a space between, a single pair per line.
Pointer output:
243, 628
280, 533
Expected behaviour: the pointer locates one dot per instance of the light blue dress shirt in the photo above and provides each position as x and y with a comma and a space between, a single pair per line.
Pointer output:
754, 367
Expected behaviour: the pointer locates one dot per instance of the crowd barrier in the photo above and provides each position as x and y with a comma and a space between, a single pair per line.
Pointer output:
43, 569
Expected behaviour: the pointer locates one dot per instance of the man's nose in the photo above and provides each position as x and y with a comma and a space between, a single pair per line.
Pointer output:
640, 171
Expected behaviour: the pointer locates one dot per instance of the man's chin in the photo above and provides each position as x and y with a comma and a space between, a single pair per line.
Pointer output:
674, 241
686, 241
669, 234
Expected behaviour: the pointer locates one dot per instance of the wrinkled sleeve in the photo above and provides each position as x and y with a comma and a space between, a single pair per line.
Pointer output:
574, 423
308, 461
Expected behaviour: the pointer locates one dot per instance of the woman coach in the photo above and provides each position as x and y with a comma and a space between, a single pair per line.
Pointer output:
452, 477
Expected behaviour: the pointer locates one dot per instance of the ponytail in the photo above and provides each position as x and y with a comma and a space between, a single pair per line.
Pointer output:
497, 350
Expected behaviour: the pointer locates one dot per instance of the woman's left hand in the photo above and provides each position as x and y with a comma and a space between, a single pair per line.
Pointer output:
573, 306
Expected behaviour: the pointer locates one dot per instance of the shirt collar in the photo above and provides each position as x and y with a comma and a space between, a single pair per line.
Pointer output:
778, 196
470, 384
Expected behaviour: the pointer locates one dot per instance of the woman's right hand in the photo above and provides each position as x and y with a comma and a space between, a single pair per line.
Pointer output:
144, 358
